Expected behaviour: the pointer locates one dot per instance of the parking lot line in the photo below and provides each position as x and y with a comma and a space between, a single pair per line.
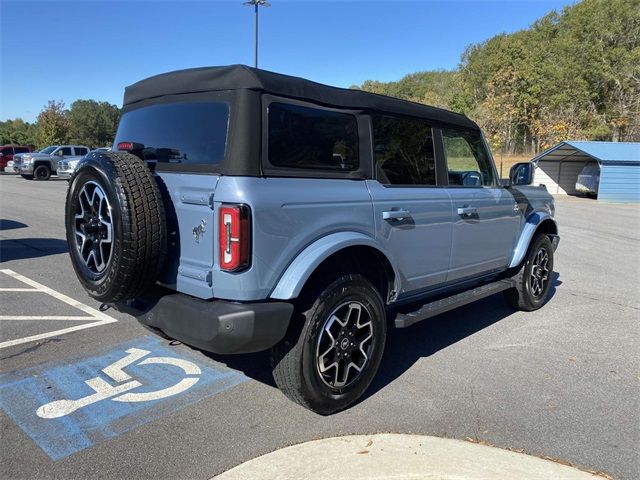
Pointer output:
13, 289
45, 317
93, 314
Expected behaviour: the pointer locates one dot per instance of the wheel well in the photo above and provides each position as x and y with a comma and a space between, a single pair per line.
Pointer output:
41, 162
548, 227
367, 261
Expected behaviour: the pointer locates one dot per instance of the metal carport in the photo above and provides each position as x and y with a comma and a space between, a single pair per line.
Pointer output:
619, 162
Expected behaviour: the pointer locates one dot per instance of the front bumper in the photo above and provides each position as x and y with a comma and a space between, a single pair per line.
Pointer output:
64, 173
24, 169
216, 326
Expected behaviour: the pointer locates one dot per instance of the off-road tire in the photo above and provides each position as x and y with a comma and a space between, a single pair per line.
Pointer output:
41, 173
138, 223
522, 297
27, 177
293, 360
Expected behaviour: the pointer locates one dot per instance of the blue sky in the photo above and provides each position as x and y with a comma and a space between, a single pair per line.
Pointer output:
93, 49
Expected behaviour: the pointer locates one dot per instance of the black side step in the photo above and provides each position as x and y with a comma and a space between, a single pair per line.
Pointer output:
437, 307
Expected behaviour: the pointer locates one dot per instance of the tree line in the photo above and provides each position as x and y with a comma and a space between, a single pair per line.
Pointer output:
86, 122
573, 74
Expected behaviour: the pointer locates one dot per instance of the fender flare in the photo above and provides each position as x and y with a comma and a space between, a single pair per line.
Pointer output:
298, 272
528, 232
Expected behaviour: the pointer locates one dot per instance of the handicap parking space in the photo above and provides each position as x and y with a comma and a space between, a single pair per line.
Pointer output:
73, 403
90, 388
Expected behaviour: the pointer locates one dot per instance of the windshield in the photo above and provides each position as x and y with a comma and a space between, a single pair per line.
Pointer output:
48, 150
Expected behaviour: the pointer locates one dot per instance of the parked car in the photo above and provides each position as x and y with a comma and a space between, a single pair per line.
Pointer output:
9, 168
41, 165
589, 179
223, 220
67, 167
8, 151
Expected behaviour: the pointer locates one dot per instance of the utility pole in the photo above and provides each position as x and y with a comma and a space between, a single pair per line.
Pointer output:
255, 4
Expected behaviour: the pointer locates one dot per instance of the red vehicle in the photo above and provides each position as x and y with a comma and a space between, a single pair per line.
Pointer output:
8, 151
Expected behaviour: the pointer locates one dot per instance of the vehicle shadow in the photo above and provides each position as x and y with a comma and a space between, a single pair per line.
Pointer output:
6, 224
23, 248
404, 346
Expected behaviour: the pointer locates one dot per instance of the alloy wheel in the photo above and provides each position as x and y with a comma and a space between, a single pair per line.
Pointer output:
344, 345
93, 227
539, 272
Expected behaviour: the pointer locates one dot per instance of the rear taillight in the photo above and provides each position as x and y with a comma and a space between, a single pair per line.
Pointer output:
235, 237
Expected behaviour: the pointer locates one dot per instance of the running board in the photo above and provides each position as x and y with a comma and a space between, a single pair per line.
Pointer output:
437, 307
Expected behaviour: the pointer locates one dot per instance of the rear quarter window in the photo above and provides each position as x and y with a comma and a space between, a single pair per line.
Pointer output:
189, 133
310, 138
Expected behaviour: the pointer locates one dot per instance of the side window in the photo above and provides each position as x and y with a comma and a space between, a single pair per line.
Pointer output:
467, 158
310, 138
21, 149
403, 150
7, 151
66, 151
80, 150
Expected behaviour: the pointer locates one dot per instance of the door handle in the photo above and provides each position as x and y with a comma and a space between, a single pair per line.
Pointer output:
467, 211
396, 214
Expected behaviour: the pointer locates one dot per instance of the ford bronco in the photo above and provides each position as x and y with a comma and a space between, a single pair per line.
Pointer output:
242, 210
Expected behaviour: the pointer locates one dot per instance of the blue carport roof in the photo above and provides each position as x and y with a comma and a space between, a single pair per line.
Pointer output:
602, 151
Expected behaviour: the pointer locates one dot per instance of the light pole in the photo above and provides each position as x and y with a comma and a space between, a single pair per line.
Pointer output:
256, 4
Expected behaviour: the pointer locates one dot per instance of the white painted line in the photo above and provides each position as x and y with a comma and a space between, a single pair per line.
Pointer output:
45, 317
100, 317
60, 296
12, 289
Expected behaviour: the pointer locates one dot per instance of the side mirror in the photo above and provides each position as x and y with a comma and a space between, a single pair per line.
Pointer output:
521, 173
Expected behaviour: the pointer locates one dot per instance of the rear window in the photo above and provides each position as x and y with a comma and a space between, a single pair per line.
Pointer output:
192, 133
311, 138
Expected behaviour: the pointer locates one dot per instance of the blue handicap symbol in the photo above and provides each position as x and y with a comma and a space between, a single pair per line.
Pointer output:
67, 406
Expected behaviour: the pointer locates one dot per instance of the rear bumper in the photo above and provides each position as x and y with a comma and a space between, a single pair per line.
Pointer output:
216, 326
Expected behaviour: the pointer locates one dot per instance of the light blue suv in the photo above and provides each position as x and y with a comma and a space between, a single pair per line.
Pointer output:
242, 210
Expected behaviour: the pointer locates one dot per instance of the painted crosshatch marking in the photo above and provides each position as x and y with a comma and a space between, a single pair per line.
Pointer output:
94, 317
108, 394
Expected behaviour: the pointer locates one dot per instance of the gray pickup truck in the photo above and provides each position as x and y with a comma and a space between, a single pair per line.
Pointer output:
243, 210
42, 164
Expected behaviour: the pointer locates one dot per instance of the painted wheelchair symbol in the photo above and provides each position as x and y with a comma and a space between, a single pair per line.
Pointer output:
104, 390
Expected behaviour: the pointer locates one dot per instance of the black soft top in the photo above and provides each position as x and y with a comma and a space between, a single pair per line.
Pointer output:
237, 77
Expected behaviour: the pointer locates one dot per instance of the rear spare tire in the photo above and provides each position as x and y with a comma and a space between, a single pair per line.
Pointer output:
115, 224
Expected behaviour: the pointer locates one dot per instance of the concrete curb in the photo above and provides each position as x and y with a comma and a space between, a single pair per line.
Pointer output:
399, 456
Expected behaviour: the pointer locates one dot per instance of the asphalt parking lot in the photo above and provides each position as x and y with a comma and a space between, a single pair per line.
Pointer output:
562, 382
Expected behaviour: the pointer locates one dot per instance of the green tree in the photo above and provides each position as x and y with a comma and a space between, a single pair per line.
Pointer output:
52, 124
93, 123
18, 132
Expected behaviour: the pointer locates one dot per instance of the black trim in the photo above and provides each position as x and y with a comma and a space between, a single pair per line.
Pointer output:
442, 171
216, 326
